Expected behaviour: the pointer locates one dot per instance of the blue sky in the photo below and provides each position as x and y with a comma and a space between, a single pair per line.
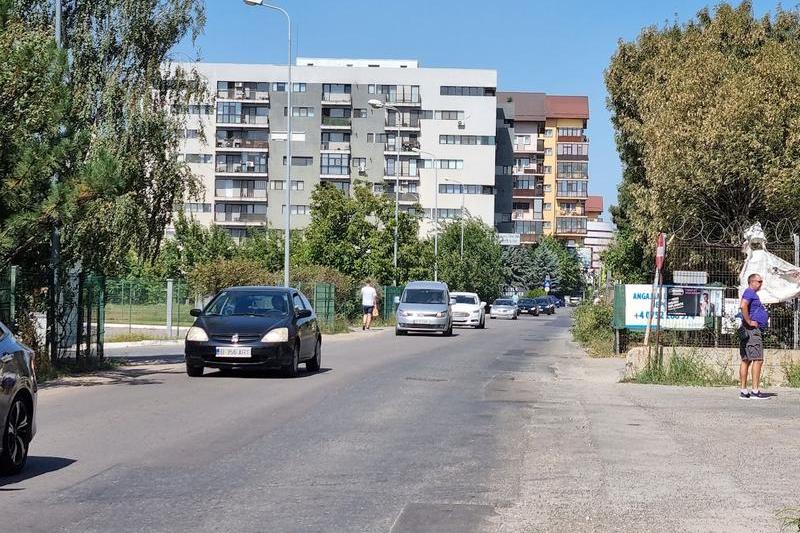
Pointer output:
535, 45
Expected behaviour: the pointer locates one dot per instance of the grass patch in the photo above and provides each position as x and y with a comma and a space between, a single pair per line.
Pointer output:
790, 519
134, 337
152, 314
689, 370
792, 373
592, 328
47, 371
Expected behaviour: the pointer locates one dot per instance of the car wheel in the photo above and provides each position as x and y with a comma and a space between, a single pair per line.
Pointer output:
399, 332
491, 317
314, 364
482, 325
449, 331
514, 317
292, 369
16, 438
194, 371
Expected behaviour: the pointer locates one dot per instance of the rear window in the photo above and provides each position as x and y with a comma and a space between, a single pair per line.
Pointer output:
463, 299
423, 296
249, 303
503, 302
542, 301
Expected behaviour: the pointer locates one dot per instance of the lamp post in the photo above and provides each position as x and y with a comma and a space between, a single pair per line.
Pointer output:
377, 104
461, 183
288, 183
435, 212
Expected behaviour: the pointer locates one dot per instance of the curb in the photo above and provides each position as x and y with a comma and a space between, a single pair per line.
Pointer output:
165, 342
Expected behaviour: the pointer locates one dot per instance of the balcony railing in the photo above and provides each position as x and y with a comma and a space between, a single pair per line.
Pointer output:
571, 194
528, 193
241, 193
571, 226
336, 121
404, 196
402, 100
414, 123
529, 169
243, 94
571, 212
242, 143
343, 98
259, 120
335, 145
244, 168
239, 217
407, 146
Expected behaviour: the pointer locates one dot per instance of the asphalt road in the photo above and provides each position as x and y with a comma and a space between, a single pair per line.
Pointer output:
506, 429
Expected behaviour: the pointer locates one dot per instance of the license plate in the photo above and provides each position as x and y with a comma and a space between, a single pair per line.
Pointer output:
233, 352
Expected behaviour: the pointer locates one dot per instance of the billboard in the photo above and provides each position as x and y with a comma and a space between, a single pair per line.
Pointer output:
682, 307
509, 239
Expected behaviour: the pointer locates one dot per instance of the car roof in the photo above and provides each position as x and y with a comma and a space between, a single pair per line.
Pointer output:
464, 294
258, 288
427, 285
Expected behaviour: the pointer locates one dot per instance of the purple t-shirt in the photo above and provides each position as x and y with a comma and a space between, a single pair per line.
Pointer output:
756, 309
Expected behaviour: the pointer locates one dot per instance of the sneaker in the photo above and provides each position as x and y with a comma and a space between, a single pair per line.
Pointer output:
758, 395
363, 327
744, 395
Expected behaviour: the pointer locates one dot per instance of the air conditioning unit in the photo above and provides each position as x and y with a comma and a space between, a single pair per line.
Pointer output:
461, 125
362, 168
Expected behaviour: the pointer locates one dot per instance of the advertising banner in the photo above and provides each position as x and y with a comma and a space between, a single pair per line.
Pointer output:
682, 308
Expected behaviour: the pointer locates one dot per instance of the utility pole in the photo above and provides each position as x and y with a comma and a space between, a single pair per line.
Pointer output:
55, 236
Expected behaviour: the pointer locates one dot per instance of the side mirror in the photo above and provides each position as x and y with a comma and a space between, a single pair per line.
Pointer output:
304, 313
396, 300
196, 312
452, 301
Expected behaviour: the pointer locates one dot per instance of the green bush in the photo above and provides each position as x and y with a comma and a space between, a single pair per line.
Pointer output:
535, 293
792, 373
684, 370
593, 328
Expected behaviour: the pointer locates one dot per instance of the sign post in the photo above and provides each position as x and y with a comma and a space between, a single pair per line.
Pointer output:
547, 284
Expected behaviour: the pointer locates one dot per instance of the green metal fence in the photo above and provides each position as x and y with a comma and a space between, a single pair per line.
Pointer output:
325, 302
8, 279
387, 305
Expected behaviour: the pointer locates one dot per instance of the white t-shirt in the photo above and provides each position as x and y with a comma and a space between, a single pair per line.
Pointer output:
368, 295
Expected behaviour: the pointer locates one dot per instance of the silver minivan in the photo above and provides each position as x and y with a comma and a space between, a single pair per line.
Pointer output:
425, 306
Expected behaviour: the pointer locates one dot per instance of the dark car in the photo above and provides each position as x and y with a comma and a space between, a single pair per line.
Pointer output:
254, 327
545, 305
528, 305
17, 402
555, 300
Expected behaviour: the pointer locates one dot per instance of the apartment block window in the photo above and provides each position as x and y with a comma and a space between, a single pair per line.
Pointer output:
548, 151
300, 161
503, 170
467, 139
521, 162
572, 169
279, 185
199, 109
528, 226
444, 213
242, 163
336, 88
520, 206
279, 87
426, 114
300, 111
572, 188
408, 167
189, 134
296, 209
229, 112
548, 132
449, 115
343, 186
570, 132
548, 188
377, 188
192, 207
240, 212
335, 164
450, 188
380, 138
572, 149
522, 140
359, 113
450, 90
548, 169
445, 164
198, 158
235, 188
548, 206
570, 225
298, 87
359, 162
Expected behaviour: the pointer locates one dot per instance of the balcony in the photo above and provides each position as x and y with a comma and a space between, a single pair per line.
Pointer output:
528, 193
257, 121
406, 197
336, 98
243, 94
522, 214
412, 125
529, 169
240, 218
571, 225
402, 101
234, 144
573, 138
571, 194
530, 148
578, 212
335, 146
336, 122
408, 148
241, 194
241, 168
326, 174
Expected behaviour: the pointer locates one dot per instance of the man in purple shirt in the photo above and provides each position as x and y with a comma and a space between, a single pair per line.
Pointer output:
751, 346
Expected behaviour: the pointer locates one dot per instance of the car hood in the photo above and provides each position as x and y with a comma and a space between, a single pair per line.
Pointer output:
466, 308
503, 307
243, 325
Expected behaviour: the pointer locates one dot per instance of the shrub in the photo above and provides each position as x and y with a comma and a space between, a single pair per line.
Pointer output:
792, 373
535, 293
684, 370
593, 328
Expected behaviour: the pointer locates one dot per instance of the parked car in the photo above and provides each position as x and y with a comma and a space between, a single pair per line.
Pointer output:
528, 306
545, 305
425, 306
555, 300
254, 327
468, 310
504, 308
17, 402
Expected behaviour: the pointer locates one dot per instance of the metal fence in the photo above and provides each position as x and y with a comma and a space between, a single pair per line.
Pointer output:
137, 309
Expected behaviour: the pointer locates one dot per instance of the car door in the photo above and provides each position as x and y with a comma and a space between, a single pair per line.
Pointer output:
9, 372
314, 327
304, 327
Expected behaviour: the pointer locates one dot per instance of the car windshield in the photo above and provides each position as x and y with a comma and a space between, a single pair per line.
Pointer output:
503, 302
424, 296
249, 303
542, 301
464, 299
526, 301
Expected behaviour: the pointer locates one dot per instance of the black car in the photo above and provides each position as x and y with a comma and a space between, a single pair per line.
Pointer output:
528, 305
17, 402
545, 305
254, 327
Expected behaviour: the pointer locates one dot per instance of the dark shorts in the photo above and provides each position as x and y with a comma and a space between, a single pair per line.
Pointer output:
367, 309
751, 345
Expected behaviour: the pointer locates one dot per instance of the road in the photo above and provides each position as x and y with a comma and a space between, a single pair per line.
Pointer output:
507, 429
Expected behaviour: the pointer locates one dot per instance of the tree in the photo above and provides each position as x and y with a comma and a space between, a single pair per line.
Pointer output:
517, 267
481, 268
707, 128
545, 262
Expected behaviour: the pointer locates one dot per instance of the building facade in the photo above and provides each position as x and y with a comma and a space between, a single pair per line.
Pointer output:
442, 125
542, 166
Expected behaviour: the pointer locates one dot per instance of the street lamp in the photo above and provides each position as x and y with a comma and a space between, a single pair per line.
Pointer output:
435, 213
377, 104
288, 184
461, 183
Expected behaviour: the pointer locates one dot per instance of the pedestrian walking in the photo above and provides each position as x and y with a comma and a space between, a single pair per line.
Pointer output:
369, 298
751, 345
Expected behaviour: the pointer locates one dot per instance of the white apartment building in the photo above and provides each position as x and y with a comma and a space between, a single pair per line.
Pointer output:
445, 116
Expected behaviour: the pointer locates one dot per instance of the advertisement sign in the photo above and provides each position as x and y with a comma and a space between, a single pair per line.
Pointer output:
731, 318
682, 308
509, 239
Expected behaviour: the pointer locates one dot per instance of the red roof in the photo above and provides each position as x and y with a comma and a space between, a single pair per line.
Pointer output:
594, 204
567, 106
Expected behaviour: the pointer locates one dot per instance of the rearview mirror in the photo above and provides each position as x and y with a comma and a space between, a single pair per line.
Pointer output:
396, 300
196, 312
304, 313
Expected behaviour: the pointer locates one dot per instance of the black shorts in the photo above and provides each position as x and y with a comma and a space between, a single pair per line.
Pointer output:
367, 309
751, 345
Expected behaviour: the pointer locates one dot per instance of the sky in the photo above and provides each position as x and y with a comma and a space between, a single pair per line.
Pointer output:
554, 47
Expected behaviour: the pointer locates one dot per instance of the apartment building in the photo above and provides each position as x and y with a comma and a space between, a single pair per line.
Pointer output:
542, 166
439, 121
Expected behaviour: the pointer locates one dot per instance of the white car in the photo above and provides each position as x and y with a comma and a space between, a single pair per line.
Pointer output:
504, 308
468, 310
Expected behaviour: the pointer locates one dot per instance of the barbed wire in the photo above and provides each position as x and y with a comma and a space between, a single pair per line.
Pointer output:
697, 230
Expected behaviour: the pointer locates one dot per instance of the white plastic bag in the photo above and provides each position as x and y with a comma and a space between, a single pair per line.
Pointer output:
781, 278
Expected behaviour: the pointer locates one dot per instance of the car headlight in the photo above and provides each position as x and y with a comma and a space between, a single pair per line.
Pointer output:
441, 314
400, 312
276, 335
196, 334
476, 312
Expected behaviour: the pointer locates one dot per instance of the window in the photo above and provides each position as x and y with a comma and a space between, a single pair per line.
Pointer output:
300, 161
548, 206
377, 188
370, 137
450, 90
229, 112
408, 167
444, 213
548, 151
242, 162
449, 115
298, 87
570, 132
297, 301
520, 206
240, 212
278, 185
196, 208
358, 162
199, 109
236, 188
335, 88
522, 139
573, 149
189, 134
300, 111
548, 188
296, 209
548, 169
446, 164
343, 186
521, 162
572, 169
548, 132
450, 188
528, 226
279, 87
572, 188
359, 113
570, 225
467, 139
198, 158
335, 136
371, 89
503, 170
335, 164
